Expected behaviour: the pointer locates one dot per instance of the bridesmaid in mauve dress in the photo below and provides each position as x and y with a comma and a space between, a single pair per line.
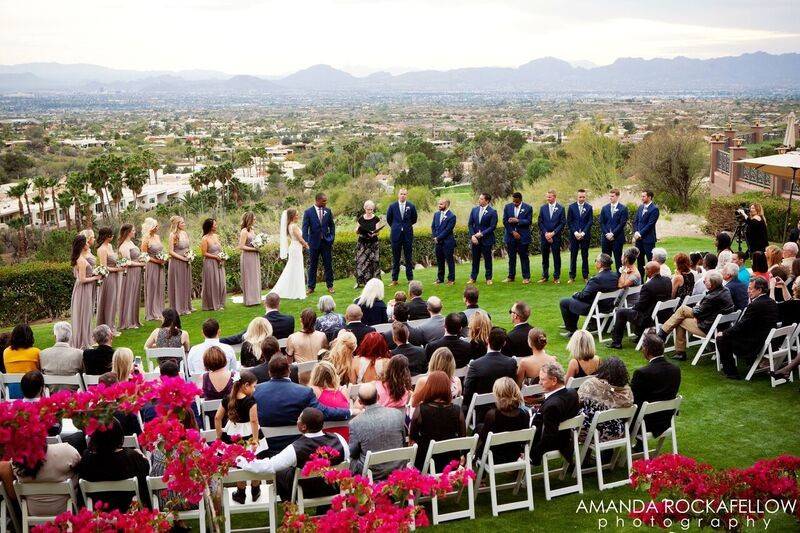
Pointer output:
107, 300
89, 234
179, 273
82, 294
154, 271
213, 292
250, 262
131, 293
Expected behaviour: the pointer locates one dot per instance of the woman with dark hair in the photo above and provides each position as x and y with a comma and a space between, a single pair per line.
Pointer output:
370, 358
759, 265
723, 241
249, 262
606, 389
683, 279
170, 334
107, 299
21, 355
629, 275
395, 384
793, 275
213, 291
82, 293
306, 344
5, 340
131, 293
696, 259
179, 273
528, 367
218, 380
436, 418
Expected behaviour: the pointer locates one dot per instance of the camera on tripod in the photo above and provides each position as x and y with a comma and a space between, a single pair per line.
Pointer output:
741, 213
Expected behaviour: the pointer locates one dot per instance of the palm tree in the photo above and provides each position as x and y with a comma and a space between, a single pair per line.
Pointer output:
100, 172
27, 201
115, 186
191, 153
18, 223
150, 160
86, 200
65, 201
18, 191
77, 185
40, 183
52, 183
135, 178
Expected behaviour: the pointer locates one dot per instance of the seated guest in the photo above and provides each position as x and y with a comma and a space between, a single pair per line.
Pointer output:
794, 274
128, 421
370, 359
296, 454
341, 355
744, 272
399, 297
417, 307
658, 288
528, 367
441, 360
257, 331
280, 402
657, 381
607, 389
759, 265
415, 355
746, 336
5, 340
436, 418
560, 404
401, 316
325, 383
696, 259
61, 359
660, 257
723, 241
269, 347
485, 370
517, 342
107, 460
432, 329
506, 415
629, 275
371, 303
328, 322
580, 302
218, 378
376, 429
21, 355
210, 338
353, 316
394, 386
738, 290
122, 364
460, 348
305, 345
789, 252
777, 284
479, 327
471, 295
583, 356
774, 256
698, 319
683, 280
282, 325
97, 360
31, 389
710, 262
170, 334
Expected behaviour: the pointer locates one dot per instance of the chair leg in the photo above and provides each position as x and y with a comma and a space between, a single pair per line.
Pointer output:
493, 491
546, 472
272, 509
599, 464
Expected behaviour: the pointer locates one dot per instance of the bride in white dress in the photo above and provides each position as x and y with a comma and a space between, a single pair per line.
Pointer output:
292, 283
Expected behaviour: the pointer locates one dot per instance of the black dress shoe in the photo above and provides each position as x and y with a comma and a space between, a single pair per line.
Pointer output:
679, 356
615, 346
733, 376
662, 334
777, 375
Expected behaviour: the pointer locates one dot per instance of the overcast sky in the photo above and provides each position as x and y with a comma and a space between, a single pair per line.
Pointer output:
266, 37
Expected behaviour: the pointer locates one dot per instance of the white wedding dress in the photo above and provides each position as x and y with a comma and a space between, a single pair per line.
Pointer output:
292, 283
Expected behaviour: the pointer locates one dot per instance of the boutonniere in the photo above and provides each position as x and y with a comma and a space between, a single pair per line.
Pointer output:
555, 208
521, 211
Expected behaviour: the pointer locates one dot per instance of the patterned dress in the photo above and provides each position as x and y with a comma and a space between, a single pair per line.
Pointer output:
367, 258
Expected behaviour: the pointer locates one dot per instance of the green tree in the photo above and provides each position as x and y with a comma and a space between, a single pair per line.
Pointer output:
629, 126
102, 172
537, 169
496, 172
15, 164
65, 201
135, 178
40, 183
592, 159
418, 173
151, 162
512, 138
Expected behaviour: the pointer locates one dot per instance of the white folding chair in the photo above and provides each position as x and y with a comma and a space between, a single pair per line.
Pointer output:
209, 435
521, 465
405, 455
478, 400
7, 511
601, 319
151, 376
88, 488
710, 337
308, 366
415, 379
282, 343
640, 431
461, 373
692, 299
782, 338
458, 400
576, 382
54, 439
72, 380
383, 328
90, 379
157, 354
467, 446
267, 500
597, 446
352, 391
573, 425
131, 441
208, 408
155, 485
23, 490
630, 297
8, 380
662, 308
297, 489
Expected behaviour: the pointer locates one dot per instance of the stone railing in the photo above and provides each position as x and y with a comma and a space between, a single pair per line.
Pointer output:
756, 177
724, 162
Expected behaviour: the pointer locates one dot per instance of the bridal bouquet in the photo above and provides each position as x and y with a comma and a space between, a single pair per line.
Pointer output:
101, 271
144, 258
223, 255
190, 256
162, 256
123, 262
259, 241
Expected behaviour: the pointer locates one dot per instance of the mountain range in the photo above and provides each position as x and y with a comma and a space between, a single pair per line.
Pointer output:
757, 71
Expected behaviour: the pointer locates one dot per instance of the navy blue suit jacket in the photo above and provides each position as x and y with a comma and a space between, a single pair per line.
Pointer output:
738, 292
443, 232
576, 222
523, 227
486, 225
402, 226
603, 281
645, 224
555, 224
614, 224
316, 231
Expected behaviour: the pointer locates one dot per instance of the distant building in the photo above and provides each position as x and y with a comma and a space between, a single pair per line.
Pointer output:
88, 142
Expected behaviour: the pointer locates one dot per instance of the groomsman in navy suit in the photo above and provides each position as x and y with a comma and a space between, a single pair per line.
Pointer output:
319, 231
517, 218
644, 229
481, 226
401, 217
551, 223
580, 217
613, 217
442, 226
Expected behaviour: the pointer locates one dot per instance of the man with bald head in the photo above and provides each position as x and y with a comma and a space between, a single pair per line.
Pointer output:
442, 226
657, 289
376, 429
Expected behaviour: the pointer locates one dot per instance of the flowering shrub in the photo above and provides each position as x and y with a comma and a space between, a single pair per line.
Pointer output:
87, 521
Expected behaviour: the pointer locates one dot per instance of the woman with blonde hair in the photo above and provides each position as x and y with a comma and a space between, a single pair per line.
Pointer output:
122, 363
154, 271
528, 367
506, 415
324, 381
340, 355
249, 262
584, 361
371, 303
442, 360
479, 327
257, 331
179, 273
367, 258
774, 257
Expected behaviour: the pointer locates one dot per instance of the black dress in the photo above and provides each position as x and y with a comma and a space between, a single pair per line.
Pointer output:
756, 235
434, 421
367, 258
115, 466
497, 422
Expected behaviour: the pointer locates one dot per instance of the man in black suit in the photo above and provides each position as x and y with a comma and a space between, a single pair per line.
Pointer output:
352, 317
746, 337
269, 347
580, 302
471, 295
657, 289
738, 290
417, 307
560, 404
282, 325
517, 342
400, 315
485, 370
657, 381
417, 362
460, 348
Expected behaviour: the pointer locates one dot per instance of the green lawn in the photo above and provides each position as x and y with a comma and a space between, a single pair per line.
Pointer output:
722, 422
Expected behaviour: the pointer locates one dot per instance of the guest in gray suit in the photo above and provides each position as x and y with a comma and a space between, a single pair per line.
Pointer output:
376, 429
61, 359
433, 328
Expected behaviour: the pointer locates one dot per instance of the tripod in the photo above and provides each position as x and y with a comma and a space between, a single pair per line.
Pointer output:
739, 236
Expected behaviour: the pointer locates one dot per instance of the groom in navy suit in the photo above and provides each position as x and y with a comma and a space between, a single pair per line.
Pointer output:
551, 223
644, 229
401, 217
613, 218
579, 220
481, 226
517, 235
319, 231
442, 227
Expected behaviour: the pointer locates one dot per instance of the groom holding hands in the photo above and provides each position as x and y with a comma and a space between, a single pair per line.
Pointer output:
401, 217
319, 231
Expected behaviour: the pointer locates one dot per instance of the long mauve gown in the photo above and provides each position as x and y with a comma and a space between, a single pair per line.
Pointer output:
131, 294
213, 293
154, 285
179, 280
81, 309
107, 299
251, 274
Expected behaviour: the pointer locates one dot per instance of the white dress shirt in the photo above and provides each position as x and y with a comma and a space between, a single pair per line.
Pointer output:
548, 394
195, 357
286, 458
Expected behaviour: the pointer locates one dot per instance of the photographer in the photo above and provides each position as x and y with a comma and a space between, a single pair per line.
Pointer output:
756, 229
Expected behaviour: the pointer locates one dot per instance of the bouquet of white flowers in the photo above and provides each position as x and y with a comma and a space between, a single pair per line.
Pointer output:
162, 256
143, 258
259, 241
223, 255
190, 256
101, 271
123, 262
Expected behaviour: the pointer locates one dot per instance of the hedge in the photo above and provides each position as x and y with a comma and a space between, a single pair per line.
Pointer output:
721, 211
35, 290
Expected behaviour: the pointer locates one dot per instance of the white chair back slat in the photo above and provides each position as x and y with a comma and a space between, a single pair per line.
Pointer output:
73, 380
710, 337
692, 299
575, 382
407, 455
307, 366
601, 318
156, 354
478, 400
